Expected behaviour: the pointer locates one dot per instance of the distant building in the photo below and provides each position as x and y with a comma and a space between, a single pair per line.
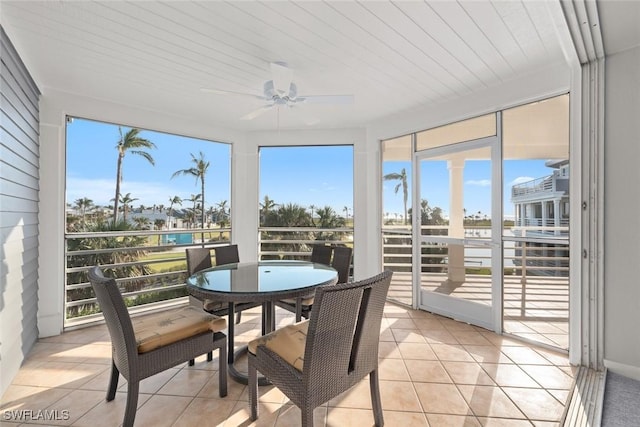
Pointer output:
542, 212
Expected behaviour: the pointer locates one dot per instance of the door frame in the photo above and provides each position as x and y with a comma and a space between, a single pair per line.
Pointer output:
489, 317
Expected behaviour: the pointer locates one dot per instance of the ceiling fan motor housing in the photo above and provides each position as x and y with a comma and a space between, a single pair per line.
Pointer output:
271, 94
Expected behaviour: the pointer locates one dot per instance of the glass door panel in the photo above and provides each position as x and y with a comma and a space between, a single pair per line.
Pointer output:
459, 252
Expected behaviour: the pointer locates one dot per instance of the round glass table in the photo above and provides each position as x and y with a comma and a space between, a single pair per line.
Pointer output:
262, 282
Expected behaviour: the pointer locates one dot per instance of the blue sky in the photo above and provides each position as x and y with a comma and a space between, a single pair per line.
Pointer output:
477, 184
305, 175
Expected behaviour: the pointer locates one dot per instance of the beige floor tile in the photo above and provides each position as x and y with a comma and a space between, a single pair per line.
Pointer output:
58, 374
408, 336
451, 352
467, 373
160, 411
187, 382
154, 383
418, 351
441, 399
401, 323
536, 404
212, 391
76, 404
408, 419
549, 376
399, 396
356, 397
506, 375
240, 415
206, 412
439, 336
502, 422
470, 338
350, 417
109, 414
433, 371
290, 416
487, 354
19, 397
489, 401
524, 355
389, 350
393, 369
266, 394
437, 420
427, 371
429, 324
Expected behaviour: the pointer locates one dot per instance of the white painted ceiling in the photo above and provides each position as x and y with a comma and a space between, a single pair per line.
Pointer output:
392, 56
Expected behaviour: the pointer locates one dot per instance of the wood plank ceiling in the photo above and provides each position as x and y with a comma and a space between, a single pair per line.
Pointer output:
392, 56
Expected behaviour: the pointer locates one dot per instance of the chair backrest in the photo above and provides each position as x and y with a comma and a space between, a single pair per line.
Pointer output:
226, 254
321, 254
344, 333
117, 319
198, 259
341, 262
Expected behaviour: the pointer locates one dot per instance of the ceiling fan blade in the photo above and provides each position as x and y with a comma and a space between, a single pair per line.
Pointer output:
282, 76
326, 99
231, 92
255, 113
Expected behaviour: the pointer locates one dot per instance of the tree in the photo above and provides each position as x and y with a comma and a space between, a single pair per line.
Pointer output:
222, 209
131, 143
265, 209
126, 201
312, 208
199, 171
402, 177
175, 200
194, 199
83, 204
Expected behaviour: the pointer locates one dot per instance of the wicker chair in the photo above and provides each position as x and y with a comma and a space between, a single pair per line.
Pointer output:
150, 344
341, 262
321, 254
200, 259
313, 361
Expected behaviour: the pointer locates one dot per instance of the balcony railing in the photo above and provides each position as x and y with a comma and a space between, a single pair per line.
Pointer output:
150, 266
526, 259
539, 185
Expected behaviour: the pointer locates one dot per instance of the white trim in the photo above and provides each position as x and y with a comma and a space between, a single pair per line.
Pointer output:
625, 370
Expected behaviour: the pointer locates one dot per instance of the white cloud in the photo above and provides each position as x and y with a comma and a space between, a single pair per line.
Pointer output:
521, 179
479, 182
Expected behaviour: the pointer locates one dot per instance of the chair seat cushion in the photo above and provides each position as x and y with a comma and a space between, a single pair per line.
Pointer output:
160, 329
288, 342
305, 301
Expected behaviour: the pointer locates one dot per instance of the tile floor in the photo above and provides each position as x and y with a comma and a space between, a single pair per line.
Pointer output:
434, 371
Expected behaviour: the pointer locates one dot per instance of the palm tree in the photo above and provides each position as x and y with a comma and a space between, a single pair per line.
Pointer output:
126, 201
222, 209
83, 204
194, 199
265, 207
175, 200
129, 142
402, 177
199, 171
312, 208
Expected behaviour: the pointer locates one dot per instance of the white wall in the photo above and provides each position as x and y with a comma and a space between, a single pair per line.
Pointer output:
622, 207
19, 159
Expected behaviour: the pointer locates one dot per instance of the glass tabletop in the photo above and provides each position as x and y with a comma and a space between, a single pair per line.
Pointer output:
262, 277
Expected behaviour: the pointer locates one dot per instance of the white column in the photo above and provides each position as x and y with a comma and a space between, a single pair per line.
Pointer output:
456, 218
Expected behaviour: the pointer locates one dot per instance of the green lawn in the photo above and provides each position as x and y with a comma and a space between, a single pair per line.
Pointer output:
178, 264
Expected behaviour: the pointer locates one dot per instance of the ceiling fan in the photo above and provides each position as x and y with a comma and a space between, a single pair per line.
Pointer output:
281, 91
